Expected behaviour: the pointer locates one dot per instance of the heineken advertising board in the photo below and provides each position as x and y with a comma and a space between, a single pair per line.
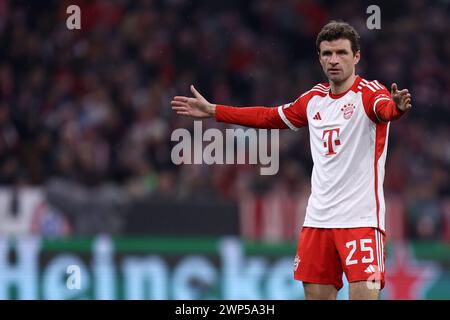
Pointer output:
191, 268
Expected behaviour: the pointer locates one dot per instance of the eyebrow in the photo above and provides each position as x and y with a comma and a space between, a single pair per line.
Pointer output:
337, 51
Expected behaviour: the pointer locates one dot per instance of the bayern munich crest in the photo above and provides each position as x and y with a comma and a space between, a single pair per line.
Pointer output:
296, 262
348, 110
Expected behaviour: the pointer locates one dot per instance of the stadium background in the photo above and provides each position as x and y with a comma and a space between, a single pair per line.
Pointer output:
85, 170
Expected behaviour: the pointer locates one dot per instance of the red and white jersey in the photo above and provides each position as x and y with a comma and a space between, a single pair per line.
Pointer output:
348, 146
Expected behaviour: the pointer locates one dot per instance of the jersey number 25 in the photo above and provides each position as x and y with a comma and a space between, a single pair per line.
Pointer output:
363, 247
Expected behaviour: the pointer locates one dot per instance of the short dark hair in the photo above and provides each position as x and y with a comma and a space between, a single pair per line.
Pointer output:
335, 30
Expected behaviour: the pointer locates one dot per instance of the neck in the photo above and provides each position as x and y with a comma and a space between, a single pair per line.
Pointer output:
339, 87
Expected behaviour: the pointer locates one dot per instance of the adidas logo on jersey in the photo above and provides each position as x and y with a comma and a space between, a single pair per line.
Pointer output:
371, 269
317, 116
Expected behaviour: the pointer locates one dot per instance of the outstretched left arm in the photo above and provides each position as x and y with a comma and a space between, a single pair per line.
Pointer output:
391, 109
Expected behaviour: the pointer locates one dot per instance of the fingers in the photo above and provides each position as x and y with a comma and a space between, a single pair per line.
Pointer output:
195, 92
407, 102
394, 88
404, 94
178, 103
180, 98
179, 107
182, 101
181, 110
186, 99
405, 99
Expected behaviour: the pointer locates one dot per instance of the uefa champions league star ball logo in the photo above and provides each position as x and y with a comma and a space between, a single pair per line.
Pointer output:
348, 110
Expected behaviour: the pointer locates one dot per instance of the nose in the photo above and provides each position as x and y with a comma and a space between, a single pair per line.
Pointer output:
334, 59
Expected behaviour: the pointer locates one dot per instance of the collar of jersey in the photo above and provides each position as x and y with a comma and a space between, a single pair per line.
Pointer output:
353, 87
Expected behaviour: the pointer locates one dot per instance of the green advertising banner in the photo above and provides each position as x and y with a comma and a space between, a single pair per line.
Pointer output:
192, 268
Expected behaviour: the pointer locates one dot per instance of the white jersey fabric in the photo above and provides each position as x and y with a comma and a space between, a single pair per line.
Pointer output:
348, 146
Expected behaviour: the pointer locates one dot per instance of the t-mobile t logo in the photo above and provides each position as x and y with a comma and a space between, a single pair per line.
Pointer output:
328, 143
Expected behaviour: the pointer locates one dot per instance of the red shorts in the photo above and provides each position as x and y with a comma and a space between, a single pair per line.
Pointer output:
324, 254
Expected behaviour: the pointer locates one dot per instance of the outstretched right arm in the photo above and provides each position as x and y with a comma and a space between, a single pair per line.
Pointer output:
256, 117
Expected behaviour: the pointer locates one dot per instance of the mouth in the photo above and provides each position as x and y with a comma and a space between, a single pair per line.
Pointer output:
334, 71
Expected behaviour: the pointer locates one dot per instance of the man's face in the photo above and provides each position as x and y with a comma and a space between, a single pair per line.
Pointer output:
337, 59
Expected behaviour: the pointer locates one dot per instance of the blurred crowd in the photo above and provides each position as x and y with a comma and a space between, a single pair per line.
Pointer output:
92, 106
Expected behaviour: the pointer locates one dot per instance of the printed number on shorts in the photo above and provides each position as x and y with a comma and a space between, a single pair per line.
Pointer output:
353, 244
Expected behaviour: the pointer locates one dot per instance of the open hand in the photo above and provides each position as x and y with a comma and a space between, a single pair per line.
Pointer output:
197, 107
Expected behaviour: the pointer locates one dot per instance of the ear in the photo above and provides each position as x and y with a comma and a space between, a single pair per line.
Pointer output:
357, 57
319, 57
